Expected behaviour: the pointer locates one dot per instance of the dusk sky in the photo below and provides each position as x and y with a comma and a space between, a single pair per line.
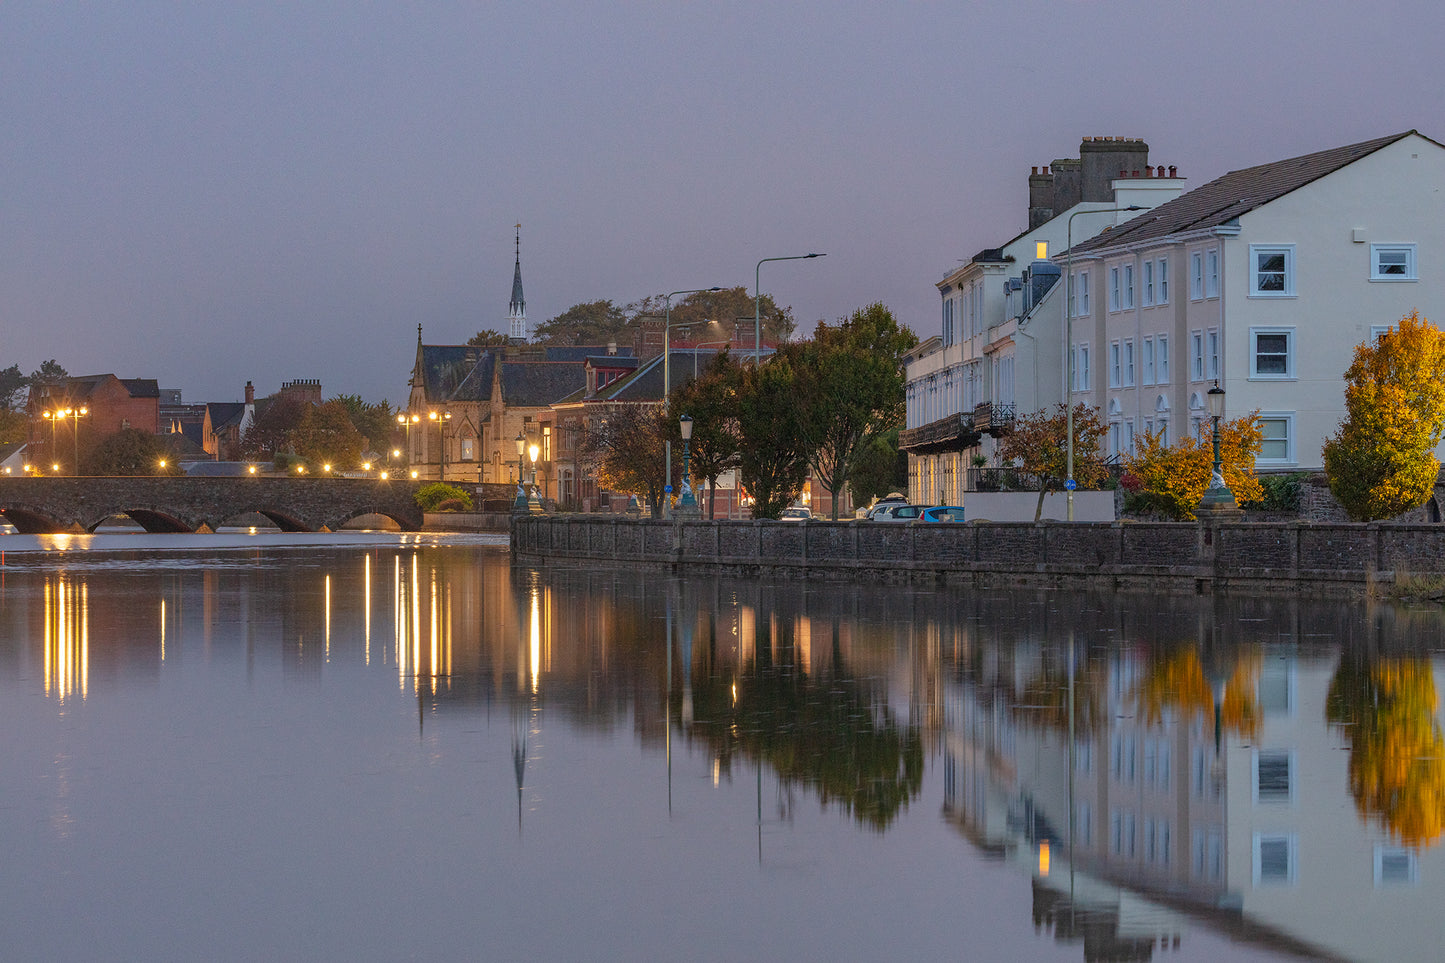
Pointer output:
208, 193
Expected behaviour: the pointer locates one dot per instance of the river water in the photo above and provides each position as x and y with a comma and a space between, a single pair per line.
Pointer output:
382, 747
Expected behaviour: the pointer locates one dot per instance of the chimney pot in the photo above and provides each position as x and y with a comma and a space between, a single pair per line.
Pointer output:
1133, 173
1046, 168
1033, 170
1172, 169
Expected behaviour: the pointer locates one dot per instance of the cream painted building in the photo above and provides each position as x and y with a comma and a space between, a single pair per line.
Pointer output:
1264, 280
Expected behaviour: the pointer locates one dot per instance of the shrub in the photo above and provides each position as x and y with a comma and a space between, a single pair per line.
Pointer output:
1281, 492
441, 497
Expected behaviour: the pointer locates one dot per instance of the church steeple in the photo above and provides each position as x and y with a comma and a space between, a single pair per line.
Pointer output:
517, 310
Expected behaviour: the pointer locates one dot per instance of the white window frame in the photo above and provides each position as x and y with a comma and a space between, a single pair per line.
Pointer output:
1274, 754
1162, 367
1163, 297
1114, 288
1147, 282
1291, 842
1128, 381
1128, 302
1196, 355
1083, 298
1410, 272
1146, 350
1256, 251
1289, 355
1081, 367
1115, 365
1196, 275
1211, 361
1412, 859
1288, 417
1211, 272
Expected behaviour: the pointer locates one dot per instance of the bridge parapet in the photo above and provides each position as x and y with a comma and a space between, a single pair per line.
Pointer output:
189, 504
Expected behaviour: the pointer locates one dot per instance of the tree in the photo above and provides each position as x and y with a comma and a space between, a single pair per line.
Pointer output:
327, 436
270, 433
1173, 478
626, 450
13, 385
49, 372
711, 401
1381, 462
773, 457
1038, 444
489, 338
880, 469
129, 451
706, 316
376, 423
592, 322
850, 390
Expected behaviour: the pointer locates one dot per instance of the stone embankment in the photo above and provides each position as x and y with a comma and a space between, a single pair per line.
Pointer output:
1179, 555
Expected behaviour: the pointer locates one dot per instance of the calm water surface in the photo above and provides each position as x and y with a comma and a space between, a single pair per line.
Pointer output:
380, 747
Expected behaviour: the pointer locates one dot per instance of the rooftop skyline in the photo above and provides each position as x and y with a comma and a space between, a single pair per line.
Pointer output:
207, 195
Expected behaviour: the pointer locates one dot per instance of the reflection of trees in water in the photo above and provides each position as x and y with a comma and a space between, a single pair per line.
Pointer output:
1178, 680
1386, 708
827, 733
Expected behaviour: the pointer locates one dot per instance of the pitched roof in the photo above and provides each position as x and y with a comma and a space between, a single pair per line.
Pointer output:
224, 413
82, 386
1238, 192
457, 372
536, 384
581, 352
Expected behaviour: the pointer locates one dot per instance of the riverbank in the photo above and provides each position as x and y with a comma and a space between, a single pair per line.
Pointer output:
1304, 556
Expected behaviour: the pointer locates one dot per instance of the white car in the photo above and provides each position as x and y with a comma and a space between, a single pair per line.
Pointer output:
796, 514
897, 512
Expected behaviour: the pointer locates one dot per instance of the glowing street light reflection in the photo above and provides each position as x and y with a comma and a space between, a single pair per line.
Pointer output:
67, 639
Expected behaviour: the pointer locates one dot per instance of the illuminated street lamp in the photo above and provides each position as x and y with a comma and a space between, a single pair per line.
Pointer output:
441, 418
687, 504
534, 504
758, 302
519, 504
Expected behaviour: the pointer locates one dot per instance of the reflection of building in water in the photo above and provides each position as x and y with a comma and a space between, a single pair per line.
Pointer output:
1234, 781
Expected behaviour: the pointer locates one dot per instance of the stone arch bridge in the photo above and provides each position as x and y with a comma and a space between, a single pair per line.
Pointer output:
185, 504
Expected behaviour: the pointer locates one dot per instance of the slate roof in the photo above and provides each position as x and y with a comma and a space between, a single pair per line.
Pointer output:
82, 386
1226, 198
645, 384
457, 372
581, 352
536, 384
225, 413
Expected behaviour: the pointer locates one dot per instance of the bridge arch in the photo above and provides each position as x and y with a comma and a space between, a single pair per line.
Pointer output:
32, 520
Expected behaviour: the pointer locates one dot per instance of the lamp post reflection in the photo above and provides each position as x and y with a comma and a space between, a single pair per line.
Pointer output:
67, 638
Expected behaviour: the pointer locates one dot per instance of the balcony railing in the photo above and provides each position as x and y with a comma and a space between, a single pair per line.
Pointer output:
950, 433
994, 419
1002, 480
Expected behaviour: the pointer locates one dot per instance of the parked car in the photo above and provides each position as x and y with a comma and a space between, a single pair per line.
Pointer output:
943, 513
897, 513
888, 501
796, 514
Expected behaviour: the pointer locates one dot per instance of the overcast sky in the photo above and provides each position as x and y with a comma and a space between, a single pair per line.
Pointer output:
205, 193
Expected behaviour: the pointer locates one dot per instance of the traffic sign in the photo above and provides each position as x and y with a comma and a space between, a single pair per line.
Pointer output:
1071, 484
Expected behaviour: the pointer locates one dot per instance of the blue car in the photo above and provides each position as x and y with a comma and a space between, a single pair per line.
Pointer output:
943, 513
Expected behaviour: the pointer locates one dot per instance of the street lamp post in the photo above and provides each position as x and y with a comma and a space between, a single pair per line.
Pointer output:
441, 418
1069, 341
519, 504
1218, 500
687, 504
534, 504
667, 338
406, 421
758, 302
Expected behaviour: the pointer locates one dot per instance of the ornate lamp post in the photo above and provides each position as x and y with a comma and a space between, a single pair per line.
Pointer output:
519, 504
1218, 500
687, 504
441, 418
534, 504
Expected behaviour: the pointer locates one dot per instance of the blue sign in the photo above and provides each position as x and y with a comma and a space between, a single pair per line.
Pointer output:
1071, 484
667, 489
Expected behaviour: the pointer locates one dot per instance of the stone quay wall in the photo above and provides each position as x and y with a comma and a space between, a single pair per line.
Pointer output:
1310, 556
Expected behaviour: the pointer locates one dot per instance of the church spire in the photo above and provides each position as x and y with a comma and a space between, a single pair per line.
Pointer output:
517, 309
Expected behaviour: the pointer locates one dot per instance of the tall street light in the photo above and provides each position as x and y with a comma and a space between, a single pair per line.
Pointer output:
534, 504
667, 338
441, 418
1069, 339
758, 302
520, 503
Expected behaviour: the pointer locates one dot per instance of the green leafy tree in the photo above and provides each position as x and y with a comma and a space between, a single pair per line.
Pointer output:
13, 385
12, 426
326, 435
592, 322
376, 423
1382, 462
489, 338
773, 455
626, 450
850, 391
270, 433
880, 469
711, 401
1038, 444
129, 451
49, 372
441, 497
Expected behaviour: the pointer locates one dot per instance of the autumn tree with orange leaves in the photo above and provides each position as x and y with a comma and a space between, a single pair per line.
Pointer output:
1382, 461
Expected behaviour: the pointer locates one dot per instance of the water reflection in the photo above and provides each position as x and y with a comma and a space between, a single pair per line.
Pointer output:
1146, 768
